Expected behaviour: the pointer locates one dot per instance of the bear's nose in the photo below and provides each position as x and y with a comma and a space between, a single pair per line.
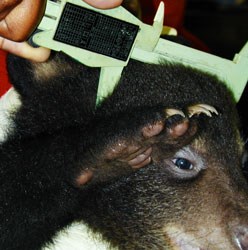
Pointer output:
241, 237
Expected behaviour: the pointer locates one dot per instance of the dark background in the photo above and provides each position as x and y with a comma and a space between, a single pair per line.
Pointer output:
224, 29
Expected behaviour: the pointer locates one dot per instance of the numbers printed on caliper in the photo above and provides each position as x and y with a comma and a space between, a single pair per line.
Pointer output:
87, 29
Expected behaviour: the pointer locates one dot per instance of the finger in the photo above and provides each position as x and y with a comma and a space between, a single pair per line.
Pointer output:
21, 18
104, 4
25, 50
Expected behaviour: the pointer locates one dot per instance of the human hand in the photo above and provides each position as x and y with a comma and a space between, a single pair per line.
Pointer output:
104, 4
18, 18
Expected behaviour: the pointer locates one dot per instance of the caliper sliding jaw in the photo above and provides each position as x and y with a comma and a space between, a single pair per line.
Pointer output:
109, 38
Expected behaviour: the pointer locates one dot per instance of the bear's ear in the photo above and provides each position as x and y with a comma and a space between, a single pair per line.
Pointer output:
20, 74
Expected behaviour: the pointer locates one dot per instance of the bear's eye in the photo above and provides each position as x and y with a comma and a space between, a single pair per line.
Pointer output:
183, 163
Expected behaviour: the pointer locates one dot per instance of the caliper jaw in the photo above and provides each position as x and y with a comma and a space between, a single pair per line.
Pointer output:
109, 38
105, 38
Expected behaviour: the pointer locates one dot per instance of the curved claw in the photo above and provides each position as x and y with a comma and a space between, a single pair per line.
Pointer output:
201, 108
170, 112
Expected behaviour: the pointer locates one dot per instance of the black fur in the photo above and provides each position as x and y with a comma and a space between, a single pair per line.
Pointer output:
58, 133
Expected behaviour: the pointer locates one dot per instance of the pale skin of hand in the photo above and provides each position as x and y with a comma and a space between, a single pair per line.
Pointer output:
18, 18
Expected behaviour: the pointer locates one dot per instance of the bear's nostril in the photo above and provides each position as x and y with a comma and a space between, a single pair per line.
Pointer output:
241, 237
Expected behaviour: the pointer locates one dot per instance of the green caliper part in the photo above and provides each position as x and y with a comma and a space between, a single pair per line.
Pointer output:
109, 38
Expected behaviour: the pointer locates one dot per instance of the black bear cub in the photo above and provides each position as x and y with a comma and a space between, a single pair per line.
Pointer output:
156, 166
